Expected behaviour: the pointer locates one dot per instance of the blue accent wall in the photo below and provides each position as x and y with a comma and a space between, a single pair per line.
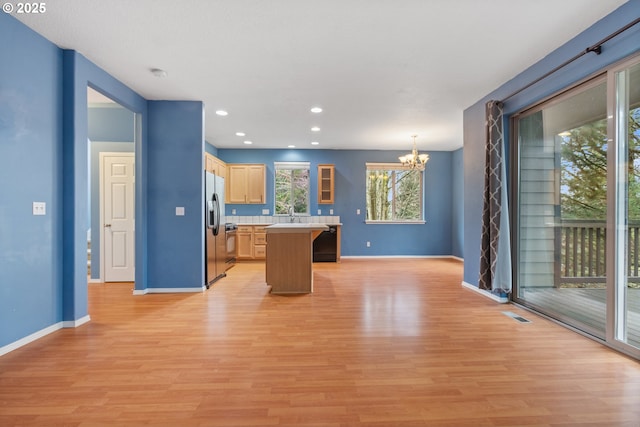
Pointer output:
457, 200
616, 49
432, 238
79, 73
43, 147
31, 138
114, 124
175, 179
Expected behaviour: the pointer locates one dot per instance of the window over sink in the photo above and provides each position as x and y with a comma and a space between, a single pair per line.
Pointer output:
292, 188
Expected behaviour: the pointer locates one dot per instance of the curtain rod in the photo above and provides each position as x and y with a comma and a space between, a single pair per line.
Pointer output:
596, 48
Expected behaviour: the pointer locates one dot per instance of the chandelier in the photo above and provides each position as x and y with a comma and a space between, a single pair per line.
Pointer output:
414, 160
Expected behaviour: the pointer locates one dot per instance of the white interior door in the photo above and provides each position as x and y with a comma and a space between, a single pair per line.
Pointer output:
118, 213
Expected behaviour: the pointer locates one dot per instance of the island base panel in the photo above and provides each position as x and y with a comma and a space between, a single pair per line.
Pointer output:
289, 263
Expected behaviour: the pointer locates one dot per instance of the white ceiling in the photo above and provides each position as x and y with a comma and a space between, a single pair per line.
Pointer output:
381, 69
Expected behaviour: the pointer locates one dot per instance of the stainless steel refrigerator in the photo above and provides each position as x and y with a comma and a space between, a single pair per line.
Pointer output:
215, 245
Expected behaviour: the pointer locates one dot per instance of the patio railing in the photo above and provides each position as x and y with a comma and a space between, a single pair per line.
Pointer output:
580, 248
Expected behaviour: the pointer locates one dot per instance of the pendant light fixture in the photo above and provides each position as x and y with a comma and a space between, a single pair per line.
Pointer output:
414, 160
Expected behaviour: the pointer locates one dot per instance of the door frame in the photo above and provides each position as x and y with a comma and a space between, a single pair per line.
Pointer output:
101, 157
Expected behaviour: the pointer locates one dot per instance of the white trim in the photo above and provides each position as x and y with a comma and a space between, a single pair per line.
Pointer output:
456, 258
167, 290
496, 298
387, 166
292, 165
42, 333
399, 256
98, 281
75, 323
419, 221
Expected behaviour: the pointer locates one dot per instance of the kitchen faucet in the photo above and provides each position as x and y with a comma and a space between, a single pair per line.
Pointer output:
291, 214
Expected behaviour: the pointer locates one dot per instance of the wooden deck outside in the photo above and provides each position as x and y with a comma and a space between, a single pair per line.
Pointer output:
586, 306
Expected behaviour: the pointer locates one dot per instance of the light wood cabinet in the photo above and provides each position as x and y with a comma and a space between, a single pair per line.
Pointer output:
215, 165
244, 242
252, 242
246, 183
326, 175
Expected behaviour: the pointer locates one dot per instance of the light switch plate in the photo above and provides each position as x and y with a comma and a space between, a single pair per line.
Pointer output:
357, 211
39, 208
179, 210
319, 211
330, 211
233, 211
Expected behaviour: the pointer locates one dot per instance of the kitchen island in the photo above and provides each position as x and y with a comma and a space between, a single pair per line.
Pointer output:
289, 267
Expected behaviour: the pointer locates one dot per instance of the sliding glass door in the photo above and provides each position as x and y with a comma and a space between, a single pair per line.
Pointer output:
577, 216
625, 207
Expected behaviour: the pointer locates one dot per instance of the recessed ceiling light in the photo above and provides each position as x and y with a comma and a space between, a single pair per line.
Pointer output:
315, 143
240, 134
291, 146
315, 129
159, 73
316, 110
248, 142
221, 113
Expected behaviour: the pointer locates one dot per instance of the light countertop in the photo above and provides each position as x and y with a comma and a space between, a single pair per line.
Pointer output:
295, 227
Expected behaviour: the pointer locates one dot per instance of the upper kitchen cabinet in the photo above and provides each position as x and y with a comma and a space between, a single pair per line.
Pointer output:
326, 184
215, 165
246, 183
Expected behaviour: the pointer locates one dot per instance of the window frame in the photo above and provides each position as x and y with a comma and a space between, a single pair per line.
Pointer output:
292, 166
374, 166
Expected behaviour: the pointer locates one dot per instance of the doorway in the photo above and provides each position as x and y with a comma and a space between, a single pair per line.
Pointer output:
578, 207
111, 129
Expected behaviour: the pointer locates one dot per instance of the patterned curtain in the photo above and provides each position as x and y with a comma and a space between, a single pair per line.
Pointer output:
495, 254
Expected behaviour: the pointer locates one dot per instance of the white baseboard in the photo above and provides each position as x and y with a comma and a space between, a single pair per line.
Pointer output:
400, 256
42, 333
167, 290
487, 294
76, 323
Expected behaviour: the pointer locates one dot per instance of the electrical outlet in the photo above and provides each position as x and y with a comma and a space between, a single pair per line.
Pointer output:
265, 211
330, 211
179, 210
357, 211
368, 244
39, 208
319, 211
233, 211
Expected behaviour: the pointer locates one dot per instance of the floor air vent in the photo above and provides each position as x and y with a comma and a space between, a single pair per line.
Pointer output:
516, 317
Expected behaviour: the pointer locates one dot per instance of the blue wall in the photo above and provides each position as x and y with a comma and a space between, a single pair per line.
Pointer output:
43, 280
114, 123
616, 49
78, 74
31, 138
432, 238
175, 173
457, 199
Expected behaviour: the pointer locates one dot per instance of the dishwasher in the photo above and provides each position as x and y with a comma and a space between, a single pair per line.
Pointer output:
325, 246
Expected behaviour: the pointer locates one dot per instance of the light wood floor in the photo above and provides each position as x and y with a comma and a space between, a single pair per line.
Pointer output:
379, 343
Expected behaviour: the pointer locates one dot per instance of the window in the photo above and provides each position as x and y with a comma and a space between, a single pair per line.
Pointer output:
394, 193
292, 187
